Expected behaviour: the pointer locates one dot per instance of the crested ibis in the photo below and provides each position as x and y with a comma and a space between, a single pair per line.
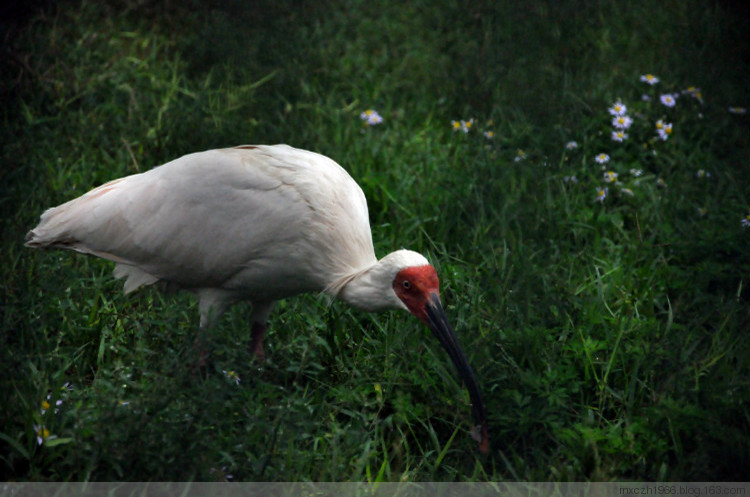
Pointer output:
257, 223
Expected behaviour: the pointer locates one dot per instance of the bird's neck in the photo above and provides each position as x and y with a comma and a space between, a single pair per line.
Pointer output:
369, 289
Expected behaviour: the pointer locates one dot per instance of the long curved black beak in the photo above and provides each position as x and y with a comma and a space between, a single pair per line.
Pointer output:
441, 328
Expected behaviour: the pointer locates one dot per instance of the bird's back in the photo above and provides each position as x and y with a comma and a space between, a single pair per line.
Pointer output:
264, 222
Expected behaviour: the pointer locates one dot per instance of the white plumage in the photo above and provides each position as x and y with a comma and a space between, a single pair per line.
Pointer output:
256, 223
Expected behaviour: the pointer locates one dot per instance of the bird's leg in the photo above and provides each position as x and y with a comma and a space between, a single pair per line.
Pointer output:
211, 303
256, 340
200, 348
261, 311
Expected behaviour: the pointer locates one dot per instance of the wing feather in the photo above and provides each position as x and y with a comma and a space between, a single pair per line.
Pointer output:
264, 221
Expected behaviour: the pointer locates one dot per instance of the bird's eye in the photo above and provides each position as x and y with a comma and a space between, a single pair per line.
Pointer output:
406, 284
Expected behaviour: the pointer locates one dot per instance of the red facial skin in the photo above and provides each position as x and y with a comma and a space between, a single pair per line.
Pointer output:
414, 286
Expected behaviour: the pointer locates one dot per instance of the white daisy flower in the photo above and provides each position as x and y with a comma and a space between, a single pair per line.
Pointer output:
232, 375
622, 122
618, 109
619, 136
650, 79
46, 405
610, 177
462, 125
694, 92
43, 434
737, 110
663, 130
571, 145
668, 100
371, 117
601, 194
602, 158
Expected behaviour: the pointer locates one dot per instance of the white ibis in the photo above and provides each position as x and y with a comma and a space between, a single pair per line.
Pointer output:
257, 223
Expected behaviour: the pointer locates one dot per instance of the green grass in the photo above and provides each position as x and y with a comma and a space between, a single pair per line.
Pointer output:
610, 338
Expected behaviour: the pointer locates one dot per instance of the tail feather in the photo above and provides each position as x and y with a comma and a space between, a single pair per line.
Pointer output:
74, 225
54, 230
35, 239
44, 235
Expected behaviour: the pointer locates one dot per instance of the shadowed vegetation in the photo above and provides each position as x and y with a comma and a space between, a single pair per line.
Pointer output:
603, 306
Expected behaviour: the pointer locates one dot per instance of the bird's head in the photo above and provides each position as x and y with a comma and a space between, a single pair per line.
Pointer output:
417, 287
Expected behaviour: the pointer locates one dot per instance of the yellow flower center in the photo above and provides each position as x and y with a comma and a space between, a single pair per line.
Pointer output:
45, 405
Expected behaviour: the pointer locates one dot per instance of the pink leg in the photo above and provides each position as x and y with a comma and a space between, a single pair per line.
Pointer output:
261, 311
200, 347
256, 340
